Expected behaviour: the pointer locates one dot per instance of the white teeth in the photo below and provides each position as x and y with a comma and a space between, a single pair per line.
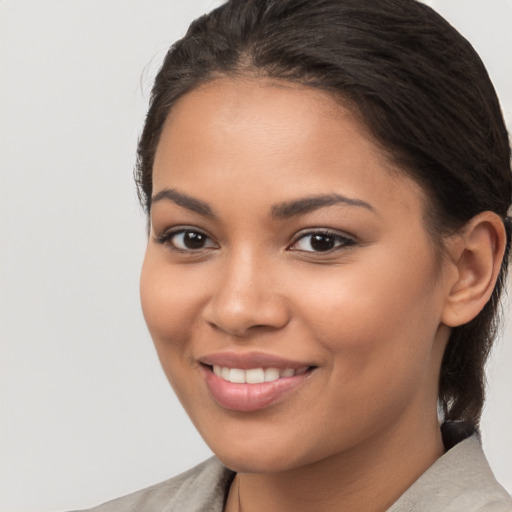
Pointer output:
271, 374
237, 375
255, 375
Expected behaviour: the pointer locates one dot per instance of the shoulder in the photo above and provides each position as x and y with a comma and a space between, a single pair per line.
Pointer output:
460, 481
200, 488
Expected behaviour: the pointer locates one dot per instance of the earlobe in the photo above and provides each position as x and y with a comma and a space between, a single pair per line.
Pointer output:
477, 255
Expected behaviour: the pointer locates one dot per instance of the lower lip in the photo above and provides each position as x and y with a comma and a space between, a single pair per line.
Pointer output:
250, 397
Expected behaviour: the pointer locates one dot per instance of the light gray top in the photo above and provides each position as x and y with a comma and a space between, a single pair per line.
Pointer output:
460, 481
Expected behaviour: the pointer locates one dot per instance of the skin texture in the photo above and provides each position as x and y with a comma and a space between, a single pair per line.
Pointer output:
372, 316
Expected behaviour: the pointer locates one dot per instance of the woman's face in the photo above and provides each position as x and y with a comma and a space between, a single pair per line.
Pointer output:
284, 252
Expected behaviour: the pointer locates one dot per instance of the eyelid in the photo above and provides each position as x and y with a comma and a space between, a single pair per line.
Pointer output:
166, 237
347, 240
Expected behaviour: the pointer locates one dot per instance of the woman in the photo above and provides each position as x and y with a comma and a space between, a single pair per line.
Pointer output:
327, 186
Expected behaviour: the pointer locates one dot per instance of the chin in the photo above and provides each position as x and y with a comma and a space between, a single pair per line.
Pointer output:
262, 462
263, 455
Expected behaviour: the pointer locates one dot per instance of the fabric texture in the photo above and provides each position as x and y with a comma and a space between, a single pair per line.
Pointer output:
200, 489
460, 481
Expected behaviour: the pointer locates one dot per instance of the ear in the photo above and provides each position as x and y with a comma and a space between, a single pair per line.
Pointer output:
476, 251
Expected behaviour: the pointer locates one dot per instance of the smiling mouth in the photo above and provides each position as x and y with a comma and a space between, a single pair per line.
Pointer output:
256, 375
252, 389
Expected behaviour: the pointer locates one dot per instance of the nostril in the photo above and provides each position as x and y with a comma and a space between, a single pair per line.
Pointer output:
242, 312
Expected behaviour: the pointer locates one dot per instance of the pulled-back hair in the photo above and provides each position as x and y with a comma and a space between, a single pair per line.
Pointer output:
418, 86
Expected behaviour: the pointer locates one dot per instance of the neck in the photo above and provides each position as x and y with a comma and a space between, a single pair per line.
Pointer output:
369, 478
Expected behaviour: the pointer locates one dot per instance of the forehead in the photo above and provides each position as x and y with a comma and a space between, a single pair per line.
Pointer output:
226, 97
292, 139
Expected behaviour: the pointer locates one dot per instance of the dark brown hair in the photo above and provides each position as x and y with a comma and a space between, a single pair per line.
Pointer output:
419, 87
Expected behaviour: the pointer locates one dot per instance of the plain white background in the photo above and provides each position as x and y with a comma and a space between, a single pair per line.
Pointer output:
86, 412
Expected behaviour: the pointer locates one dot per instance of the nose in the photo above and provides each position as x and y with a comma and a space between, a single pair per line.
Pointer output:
246, 298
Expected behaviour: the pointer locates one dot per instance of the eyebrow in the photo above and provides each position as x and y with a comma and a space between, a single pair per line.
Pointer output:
183, 200
308, 204
279, 211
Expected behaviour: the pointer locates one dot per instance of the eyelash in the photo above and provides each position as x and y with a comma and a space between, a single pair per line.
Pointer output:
339, 241
167, 237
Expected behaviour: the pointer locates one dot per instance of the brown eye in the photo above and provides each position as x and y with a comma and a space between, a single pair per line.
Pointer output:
192, 240
321, 242
187, 240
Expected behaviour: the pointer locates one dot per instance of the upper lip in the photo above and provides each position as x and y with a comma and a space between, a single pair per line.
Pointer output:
249, 360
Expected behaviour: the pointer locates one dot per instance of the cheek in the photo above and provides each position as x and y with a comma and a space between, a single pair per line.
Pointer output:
379, 318
379, 347
169, 303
